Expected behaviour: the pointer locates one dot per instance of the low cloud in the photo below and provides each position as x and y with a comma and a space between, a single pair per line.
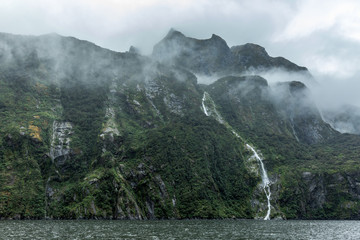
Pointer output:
278, 75
334, 93
206, 79
320, 35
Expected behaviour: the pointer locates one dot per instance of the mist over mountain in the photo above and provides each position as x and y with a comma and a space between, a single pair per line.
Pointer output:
213, 55
87, 132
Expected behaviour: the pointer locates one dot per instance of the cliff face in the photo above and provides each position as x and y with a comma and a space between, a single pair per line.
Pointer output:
320, 195
91, 133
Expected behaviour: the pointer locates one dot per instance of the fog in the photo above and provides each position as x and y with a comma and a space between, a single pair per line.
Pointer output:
321, 35
207, 79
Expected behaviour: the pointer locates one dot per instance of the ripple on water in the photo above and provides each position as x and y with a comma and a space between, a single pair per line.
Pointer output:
184, 229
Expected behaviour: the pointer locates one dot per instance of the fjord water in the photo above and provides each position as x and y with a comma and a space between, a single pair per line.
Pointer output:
179, 229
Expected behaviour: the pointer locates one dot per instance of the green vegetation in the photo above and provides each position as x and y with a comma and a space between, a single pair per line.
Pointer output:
132, 142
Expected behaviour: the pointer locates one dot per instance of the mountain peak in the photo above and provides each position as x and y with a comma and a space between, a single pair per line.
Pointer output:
134, 50
216, 37
52, 34
172, 34
213, 55
218, 41
251, 55
201, 56
249, 48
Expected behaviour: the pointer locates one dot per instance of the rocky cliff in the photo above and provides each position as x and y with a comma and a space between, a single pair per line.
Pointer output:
91, 133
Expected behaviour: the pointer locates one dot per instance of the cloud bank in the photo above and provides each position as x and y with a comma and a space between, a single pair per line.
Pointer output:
323, 35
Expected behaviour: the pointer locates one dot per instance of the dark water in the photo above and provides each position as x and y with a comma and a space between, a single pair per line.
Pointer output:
184, 229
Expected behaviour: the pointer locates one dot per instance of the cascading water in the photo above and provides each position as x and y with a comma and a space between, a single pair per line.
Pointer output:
211, 110
265, 180
203, 105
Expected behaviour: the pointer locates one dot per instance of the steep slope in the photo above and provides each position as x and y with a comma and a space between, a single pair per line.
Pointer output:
91, 133
255, 109
300, 110
98, 134
313, 168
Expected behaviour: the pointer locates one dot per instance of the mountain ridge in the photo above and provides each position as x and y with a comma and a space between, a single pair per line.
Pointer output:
92, 133
178, 48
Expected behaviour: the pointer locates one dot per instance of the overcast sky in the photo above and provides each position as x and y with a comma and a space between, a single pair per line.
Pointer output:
323, 35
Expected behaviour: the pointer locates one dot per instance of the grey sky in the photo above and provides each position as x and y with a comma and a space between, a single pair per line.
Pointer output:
323, 35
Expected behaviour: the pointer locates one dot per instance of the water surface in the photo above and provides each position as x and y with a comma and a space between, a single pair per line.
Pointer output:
179, 229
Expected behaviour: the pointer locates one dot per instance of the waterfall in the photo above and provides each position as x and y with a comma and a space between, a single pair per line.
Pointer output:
203, 105
265, 180
211, 110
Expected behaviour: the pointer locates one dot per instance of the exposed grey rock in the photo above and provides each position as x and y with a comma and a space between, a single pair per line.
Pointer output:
60, 142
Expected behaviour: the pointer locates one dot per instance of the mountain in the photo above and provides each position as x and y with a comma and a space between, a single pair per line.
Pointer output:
213, 56
254, 56
91, 133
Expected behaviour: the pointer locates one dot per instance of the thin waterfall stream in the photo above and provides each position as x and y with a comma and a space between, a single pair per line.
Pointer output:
265, 180
203, 105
